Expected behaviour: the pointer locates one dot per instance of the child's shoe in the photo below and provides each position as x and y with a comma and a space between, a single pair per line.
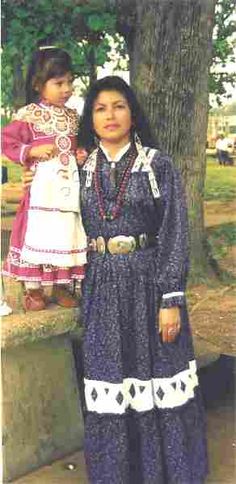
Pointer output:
63, 297
34, 300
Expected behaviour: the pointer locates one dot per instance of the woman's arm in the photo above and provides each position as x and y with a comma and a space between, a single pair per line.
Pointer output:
173, 245
173, 250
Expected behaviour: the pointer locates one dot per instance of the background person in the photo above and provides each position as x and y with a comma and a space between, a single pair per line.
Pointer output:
223, 146
219, 149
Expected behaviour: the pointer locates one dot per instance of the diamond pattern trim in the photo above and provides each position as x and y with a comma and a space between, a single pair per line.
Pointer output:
141, 395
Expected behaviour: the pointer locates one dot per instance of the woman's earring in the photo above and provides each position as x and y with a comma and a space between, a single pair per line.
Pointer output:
137, 140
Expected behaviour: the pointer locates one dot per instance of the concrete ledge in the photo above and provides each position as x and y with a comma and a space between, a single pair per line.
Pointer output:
42, 416
23, 328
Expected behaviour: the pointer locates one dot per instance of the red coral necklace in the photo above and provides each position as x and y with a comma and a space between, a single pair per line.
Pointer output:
121, 188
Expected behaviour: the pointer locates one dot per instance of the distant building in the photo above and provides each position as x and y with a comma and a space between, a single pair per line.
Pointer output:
221, 121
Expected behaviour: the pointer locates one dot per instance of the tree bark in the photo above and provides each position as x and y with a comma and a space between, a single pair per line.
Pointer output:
170, 54
18, 86
92, 66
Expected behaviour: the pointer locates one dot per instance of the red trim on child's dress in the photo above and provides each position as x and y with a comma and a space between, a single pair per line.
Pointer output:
45, 274
54, 251
22, 271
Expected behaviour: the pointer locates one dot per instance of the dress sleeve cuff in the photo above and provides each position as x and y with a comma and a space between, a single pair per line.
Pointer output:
171, 299
24, 153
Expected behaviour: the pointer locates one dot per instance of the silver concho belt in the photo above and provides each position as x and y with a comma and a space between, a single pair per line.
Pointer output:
122, 244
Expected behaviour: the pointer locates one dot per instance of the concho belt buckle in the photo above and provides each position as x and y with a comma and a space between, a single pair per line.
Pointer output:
143, 239
121, 244
92, 244
101, 245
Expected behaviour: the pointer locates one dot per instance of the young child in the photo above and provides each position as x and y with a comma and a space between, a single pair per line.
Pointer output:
48, 242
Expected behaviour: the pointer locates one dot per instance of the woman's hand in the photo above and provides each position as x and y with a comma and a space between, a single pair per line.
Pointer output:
43, 152
81, 155
27, 178
169, 323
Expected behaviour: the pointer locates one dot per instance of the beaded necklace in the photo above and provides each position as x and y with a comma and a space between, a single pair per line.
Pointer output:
121, 188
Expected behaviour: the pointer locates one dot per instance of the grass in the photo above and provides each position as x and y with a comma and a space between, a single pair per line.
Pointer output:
220, 186
220, 183
221, 238
14, 170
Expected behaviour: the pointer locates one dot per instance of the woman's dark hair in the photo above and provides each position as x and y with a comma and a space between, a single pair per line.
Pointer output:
46, 63
112, 83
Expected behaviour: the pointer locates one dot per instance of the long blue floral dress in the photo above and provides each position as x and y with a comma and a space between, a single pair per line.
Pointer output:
144, 417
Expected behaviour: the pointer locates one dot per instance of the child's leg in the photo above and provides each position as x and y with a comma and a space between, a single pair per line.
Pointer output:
32, 285
33, 298
77, 289
63, 296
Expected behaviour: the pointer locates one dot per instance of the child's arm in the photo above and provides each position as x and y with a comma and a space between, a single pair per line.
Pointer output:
42, 152
17, 145
27, 175
16, 141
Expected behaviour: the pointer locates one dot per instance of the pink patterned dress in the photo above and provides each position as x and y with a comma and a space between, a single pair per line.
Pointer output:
48, 242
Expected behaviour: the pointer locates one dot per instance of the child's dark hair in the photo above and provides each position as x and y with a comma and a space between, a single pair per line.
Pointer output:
46, 63
112, 83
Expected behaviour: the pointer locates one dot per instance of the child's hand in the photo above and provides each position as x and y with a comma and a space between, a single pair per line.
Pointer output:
43, 152
81, 155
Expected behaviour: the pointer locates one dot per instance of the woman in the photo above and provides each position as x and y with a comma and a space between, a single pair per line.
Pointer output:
144, 420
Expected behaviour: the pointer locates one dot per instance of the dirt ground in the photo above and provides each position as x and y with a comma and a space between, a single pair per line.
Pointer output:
213, 316
218, 212
213, 309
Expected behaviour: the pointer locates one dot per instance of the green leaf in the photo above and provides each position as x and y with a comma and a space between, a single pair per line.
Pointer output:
95, 23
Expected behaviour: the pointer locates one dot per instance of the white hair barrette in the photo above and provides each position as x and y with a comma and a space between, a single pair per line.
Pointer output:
45, 47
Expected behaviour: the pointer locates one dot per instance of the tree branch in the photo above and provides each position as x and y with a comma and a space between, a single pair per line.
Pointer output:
126, 17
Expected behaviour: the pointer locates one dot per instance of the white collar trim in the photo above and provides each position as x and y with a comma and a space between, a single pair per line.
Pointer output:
119, 154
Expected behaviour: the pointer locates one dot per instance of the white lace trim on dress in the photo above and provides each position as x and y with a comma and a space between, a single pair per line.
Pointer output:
172, 294
141, 395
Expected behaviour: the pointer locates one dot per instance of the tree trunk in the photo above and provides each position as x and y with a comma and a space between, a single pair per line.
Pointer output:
92, 65
18, 86
170, 54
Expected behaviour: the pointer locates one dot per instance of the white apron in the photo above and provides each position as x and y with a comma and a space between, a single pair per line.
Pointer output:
55, 234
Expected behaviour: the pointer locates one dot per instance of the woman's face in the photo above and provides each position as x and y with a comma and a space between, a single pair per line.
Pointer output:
112, 118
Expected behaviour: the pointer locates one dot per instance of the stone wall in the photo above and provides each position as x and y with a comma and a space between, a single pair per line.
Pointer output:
42, 417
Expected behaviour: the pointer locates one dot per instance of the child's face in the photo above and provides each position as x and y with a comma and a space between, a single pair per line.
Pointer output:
57, 90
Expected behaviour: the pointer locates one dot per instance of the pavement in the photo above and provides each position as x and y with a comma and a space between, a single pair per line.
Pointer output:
217, 382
